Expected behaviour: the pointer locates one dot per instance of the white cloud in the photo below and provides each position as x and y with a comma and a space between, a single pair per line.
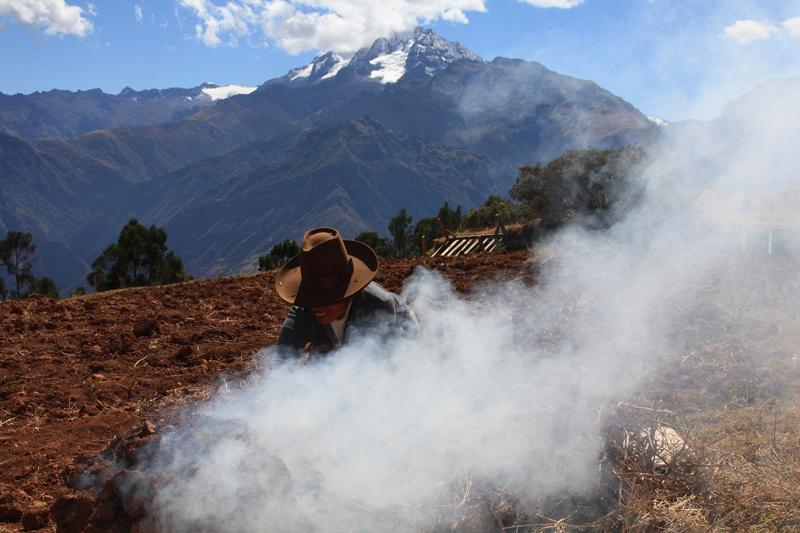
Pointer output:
137, 11
564, 4
747, 31
55, 16
302, 25
792, 25
455, 15
235, 19
339, 25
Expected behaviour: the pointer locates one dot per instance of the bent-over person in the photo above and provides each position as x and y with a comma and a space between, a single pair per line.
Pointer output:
334, 298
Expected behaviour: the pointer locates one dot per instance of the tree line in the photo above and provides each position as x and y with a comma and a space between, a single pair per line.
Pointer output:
139, 258
589, 185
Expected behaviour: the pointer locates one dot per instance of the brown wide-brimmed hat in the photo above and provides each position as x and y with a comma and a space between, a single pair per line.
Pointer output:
326, 270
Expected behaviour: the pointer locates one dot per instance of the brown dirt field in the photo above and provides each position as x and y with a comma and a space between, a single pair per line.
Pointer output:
76, 373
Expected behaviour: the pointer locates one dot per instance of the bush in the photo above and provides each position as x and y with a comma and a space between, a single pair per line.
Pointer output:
80, 291
278, 255
45, 286
381, 246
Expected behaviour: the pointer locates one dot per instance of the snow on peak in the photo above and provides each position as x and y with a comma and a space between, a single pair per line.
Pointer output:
226, 91
658, 121
392, 66
321, 68
421, 52
302, 72
339, 63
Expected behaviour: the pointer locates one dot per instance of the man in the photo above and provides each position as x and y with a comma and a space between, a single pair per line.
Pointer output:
329, 284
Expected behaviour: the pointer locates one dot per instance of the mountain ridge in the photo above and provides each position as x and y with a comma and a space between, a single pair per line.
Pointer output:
435, 102
61, 114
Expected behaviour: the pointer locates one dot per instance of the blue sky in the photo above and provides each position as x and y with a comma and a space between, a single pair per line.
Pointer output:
675, 59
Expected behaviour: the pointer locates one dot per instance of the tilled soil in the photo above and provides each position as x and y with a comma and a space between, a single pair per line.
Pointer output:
76, 374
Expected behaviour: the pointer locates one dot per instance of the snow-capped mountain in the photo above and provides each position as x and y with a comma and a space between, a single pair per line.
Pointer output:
205, 91
216, 92
59, 114
421, 53
408, 122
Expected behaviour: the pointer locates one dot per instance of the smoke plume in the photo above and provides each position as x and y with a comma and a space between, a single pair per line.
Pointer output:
504, 385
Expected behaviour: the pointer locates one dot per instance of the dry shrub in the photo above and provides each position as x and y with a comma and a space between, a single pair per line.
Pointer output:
735, 392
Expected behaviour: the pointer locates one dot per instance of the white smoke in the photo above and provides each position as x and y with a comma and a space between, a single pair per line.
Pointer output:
503, 385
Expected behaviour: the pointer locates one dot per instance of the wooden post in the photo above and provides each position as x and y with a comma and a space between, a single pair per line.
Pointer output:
500, 229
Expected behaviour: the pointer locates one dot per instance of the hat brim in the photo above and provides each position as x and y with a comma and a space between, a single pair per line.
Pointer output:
289, 281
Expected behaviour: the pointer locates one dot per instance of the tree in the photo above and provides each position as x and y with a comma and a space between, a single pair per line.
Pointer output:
578, 183
400, 230
486, 215
138, 258
381, 246
45, 286
16, 253
170, 270
430, 229
278, 255
450, 218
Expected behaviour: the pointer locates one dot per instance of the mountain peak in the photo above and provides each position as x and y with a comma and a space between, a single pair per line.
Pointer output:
418, 53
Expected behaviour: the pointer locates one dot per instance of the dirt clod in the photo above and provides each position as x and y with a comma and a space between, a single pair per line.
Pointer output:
10, 513
35, 517
148, 428
71, 513
144, 328
184, 354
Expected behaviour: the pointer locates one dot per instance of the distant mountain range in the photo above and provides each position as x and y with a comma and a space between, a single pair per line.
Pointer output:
61, 114
411, 122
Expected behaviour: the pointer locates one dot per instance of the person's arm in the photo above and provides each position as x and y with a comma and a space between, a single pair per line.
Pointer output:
295, 333
386, 311
405, 319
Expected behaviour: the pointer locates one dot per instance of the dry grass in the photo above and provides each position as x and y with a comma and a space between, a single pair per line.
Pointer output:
730, 403
735, 397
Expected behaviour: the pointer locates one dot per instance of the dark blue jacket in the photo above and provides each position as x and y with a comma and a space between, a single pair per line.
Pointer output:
374, 311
